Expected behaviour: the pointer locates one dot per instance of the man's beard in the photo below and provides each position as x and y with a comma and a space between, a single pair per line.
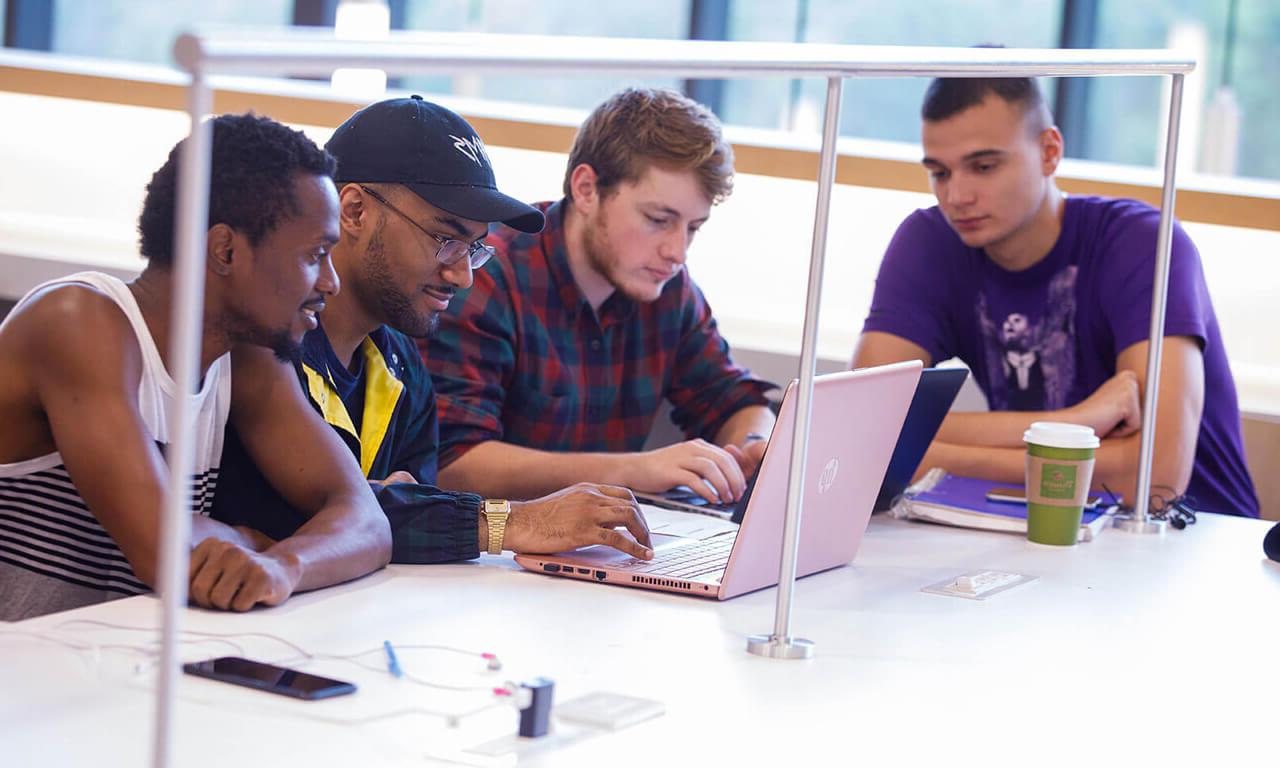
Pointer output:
599, 252
602, 258
284, 347
279, 340
379, 289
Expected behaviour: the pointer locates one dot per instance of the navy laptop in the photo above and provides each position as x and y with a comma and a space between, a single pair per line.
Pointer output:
935, 393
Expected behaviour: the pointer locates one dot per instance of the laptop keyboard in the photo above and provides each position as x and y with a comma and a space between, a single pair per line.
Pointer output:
686, 562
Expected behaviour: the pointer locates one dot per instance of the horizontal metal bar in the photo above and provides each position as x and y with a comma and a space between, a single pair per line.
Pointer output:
308, 52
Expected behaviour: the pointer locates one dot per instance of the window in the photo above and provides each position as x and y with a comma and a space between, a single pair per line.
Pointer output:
658, 19
1228, 101
1124, 113
885, 109
144, 30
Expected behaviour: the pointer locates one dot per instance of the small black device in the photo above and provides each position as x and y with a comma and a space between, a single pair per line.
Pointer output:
1019, 496
1178, 509
535, 719
1271, 544
268, 677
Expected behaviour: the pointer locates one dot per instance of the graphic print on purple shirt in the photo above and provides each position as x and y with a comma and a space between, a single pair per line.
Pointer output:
1031, 353
1047, 337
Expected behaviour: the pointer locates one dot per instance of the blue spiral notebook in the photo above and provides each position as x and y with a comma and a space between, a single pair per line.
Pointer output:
962, 501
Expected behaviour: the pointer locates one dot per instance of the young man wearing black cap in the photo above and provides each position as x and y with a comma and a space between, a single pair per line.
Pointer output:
416, 194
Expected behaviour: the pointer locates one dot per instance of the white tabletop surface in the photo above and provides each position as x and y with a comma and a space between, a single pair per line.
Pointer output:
1126, 649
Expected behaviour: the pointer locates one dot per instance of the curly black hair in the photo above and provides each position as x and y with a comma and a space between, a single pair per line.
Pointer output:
255, 160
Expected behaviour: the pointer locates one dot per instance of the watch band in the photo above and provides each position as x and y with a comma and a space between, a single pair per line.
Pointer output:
495, 516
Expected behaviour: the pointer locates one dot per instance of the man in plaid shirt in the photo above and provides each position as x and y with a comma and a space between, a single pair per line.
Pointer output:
551, 369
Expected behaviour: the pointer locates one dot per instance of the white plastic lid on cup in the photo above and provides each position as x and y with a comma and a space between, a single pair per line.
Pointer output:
1057, 434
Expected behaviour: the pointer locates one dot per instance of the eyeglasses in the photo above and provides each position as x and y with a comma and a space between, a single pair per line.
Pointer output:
451, 251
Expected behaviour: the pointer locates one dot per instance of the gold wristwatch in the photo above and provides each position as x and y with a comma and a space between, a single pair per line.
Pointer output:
495, 515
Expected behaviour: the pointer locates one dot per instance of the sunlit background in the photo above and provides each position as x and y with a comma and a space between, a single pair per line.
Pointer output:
74, 168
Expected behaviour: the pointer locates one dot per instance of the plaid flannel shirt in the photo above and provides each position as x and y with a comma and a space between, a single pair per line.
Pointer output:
521, 357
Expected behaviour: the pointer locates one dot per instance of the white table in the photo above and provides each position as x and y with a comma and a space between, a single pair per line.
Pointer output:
1129, 648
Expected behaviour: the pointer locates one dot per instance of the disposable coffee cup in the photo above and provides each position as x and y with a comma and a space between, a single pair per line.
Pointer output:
1059, 474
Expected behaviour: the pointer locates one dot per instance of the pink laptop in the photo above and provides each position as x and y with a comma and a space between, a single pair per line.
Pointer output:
857, 416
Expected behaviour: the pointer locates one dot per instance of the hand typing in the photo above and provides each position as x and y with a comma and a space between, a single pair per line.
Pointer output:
749, 454
712, 472
578, 516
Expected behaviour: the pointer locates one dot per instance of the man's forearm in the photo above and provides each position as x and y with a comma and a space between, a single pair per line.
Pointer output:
993, 429
429, 524
204, 527
754, 419
1003, 465
495, 469
1115, 463
346, 539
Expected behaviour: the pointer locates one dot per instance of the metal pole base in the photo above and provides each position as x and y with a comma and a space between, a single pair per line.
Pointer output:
774, 647
1134, 525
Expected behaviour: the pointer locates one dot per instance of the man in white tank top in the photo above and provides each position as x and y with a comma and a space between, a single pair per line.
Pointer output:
85, 397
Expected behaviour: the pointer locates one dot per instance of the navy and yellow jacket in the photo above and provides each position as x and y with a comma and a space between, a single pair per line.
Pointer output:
383, 408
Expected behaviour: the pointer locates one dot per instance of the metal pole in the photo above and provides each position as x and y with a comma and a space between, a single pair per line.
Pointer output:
781, 645
1138, 521
184, 348
301, 52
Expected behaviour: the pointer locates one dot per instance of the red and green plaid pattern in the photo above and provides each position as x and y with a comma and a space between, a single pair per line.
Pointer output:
521, 357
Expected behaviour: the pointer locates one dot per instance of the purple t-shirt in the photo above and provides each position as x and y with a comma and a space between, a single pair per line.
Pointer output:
1048, 337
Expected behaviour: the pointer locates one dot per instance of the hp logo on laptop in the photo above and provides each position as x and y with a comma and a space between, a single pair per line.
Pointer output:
828, 477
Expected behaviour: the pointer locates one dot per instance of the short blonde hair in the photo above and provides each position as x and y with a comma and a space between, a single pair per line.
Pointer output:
639, 127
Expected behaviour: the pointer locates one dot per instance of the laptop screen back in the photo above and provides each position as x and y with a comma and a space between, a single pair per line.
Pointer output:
857, 416
934, 395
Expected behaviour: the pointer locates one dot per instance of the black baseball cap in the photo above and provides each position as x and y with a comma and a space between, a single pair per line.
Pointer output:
432, 151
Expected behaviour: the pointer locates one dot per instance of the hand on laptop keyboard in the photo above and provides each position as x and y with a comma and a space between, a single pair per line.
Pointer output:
711, 471
579, 516
695, 559
750, 453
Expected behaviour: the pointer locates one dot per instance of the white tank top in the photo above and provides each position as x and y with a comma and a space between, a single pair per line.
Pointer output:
54, 554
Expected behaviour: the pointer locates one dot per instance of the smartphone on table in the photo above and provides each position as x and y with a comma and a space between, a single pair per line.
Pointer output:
269, 677
1019, 496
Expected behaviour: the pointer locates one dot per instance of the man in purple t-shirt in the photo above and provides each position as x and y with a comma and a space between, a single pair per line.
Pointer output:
1047, 299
